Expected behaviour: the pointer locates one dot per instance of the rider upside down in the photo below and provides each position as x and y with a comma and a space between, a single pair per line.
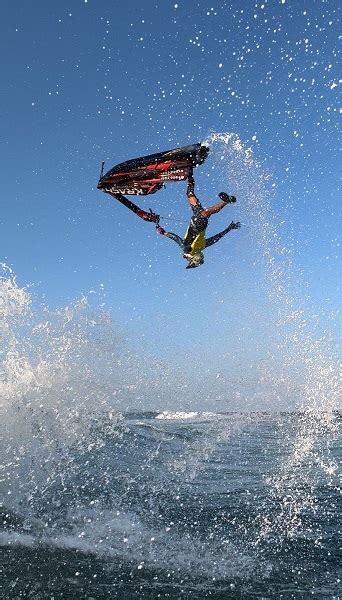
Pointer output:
194, 241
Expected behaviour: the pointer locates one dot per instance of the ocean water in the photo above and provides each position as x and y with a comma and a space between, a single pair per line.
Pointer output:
178, 505
113, 487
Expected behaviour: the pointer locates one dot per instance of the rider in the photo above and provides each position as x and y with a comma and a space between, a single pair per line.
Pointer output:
194, 241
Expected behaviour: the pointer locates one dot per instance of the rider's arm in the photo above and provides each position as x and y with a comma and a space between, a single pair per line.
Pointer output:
215, 238
172, 236
143, 214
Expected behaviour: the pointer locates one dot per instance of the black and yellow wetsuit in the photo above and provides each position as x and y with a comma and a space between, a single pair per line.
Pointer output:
194, 240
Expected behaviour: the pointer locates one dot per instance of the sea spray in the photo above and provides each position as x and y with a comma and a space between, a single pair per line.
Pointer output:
66, 378
307, 362
78, 475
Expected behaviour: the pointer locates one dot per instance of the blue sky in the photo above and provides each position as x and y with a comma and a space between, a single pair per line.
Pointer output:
87, 81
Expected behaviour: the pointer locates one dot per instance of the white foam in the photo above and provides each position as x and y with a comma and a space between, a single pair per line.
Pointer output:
183, 416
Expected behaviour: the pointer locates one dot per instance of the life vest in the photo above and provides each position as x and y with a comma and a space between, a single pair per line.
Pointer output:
198, 243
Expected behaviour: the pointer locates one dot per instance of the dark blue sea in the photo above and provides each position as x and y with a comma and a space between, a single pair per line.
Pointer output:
174, 505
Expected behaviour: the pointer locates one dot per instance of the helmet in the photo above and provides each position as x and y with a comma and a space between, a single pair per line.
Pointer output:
195, 260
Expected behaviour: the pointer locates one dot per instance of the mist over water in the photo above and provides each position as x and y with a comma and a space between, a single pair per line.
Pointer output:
208, 498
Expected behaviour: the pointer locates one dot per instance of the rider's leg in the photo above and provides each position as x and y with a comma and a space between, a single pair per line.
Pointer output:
211, 210
190, 191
